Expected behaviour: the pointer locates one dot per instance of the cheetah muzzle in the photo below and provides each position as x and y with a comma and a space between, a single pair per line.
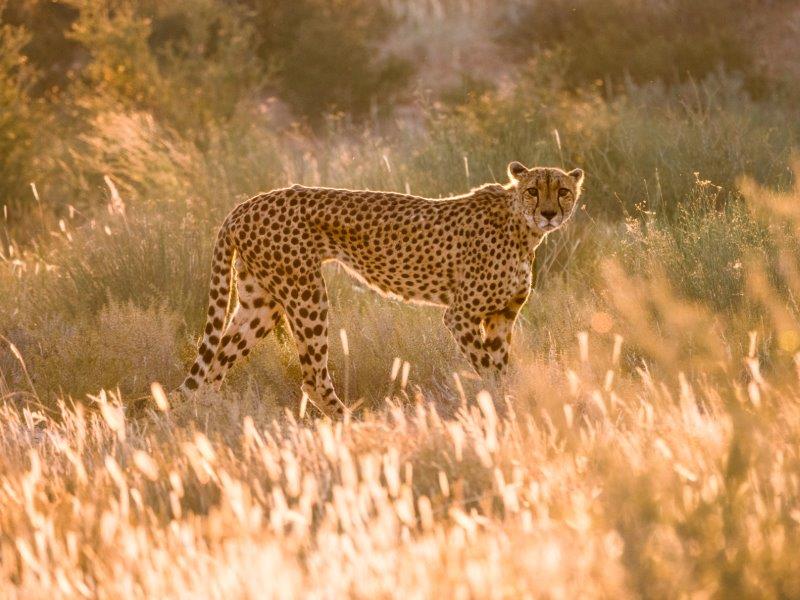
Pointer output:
471, 254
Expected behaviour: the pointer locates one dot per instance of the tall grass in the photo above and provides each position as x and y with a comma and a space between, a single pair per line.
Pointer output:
596, 483
647, 447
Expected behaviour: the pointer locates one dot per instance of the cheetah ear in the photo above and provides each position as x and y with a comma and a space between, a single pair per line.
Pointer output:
515, 169
577, 175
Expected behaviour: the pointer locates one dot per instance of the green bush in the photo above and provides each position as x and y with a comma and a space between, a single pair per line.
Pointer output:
48, 49
191, 62
325, 54
643, 146
123, 346
186, 63
143, 259
667, 40
20, 119
702, 249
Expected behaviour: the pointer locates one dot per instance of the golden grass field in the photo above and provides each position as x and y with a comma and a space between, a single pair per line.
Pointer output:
648, 445
599, 479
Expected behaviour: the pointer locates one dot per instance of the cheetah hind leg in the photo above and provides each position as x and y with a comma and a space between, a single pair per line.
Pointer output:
218, 301
246, 327
255, 315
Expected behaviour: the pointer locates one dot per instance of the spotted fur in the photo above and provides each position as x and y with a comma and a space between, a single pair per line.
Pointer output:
471, 254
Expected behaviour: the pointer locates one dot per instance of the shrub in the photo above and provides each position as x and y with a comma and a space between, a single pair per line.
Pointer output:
123, 346
325, 54
20, 118
49, 51
646, 40
186, 63
703, 249
643, 146
143, 260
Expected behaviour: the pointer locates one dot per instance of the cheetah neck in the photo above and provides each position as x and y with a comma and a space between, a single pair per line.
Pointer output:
521, 228
531, 240
527, 235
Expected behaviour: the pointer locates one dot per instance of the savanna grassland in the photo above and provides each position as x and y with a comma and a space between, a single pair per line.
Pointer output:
649, 445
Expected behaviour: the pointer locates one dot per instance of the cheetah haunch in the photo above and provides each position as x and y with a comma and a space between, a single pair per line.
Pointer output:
471, 254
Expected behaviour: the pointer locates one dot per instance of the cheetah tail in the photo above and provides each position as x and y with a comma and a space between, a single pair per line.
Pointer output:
219, 297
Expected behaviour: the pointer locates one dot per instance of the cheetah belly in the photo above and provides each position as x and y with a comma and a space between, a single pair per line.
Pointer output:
405, 259
420, 282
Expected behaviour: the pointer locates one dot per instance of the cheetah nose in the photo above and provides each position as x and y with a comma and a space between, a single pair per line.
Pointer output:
549, 214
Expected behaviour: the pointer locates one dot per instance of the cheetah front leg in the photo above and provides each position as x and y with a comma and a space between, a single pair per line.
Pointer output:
498, 327
465, 328
485, 339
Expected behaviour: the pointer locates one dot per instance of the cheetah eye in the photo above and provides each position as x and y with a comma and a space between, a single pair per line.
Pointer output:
532, 192
563, 192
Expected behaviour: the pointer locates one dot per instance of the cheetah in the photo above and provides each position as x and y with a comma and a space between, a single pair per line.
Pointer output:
470, 254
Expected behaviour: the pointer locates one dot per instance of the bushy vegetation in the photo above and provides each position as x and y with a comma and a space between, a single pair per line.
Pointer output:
650, 40
648, 445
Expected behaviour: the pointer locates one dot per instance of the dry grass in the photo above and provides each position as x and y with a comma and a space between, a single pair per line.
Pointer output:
596, 484
604, 473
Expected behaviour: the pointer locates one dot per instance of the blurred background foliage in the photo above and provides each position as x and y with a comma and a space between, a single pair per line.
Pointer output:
655, 40
129, 128
194, 82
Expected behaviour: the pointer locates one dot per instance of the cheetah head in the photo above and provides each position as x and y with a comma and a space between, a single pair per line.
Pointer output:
544, 196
